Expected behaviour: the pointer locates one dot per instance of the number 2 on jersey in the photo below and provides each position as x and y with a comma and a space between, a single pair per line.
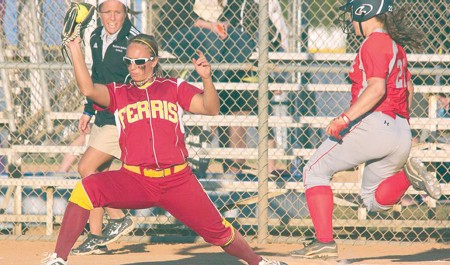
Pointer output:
400, 81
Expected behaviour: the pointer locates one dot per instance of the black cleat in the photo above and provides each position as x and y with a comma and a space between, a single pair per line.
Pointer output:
90, 246
115, 229
317, 249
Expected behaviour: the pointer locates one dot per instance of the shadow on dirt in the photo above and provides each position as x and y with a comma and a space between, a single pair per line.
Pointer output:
440, 255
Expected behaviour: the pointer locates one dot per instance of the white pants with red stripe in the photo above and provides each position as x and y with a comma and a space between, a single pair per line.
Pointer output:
381, 142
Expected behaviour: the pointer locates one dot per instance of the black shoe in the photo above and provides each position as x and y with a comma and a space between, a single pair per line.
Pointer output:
90, 246
115, 229
316, 249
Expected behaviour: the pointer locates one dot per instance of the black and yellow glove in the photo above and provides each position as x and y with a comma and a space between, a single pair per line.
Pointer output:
76, 20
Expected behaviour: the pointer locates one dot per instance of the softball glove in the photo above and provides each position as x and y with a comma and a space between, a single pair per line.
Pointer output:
76, 20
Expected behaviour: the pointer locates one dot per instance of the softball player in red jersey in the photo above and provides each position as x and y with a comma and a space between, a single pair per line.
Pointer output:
154, 172
375, 128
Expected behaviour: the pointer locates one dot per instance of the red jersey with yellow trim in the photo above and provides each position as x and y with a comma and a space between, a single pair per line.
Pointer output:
379, 56
151, 131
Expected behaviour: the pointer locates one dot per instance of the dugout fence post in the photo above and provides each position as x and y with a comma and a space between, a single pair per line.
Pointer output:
50, 192
263, 119
42, 80
6, 87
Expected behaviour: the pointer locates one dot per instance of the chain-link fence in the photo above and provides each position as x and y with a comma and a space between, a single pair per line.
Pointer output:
281, 78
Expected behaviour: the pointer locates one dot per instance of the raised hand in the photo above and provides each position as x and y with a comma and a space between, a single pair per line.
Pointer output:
202, 65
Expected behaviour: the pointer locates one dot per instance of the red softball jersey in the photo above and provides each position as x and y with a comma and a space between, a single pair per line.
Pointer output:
380, 56
149, 120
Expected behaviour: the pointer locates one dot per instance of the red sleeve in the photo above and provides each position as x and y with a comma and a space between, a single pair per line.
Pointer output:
376, 55
186, 92
98, 107
112, 97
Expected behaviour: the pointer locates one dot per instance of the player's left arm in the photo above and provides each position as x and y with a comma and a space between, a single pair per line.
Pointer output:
208, 102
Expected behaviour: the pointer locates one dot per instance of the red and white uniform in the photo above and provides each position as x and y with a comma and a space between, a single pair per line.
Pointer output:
381, 138
381, 57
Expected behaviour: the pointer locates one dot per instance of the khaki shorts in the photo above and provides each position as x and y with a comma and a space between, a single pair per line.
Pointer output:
105, 139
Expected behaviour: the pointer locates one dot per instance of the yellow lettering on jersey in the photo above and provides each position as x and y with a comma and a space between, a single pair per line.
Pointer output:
172, 112
132, 116
121, 114
166, 110
157, 109
143, 110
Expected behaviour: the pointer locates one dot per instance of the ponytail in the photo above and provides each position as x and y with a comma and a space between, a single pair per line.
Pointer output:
400, 30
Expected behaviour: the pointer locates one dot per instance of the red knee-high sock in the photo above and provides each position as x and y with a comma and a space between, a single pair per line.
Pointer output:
74, 220
320, 205
391, 190
241, 249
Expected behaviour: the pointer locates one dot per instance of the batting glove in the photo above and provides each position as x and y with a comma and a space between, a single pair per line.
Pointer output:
337, 125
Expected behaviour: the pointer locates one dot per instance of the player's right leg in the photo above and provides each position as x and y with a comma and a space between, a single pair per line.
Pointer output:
74, 220
385, 182
121, 189
95, 160
103, 148
92, 160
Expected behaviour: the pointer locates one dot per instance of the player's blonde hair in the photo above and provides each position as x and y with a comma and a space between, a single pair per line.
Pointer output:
150, 43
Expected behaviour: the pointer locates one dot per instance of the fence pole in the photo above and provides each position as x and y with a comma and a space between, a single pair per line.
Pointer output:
263, 117
17, 209
6, 87
42, 79
49, 213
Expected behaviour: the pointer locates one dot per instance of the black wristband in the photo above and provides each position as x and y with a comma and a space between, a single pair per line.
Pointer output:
87, 113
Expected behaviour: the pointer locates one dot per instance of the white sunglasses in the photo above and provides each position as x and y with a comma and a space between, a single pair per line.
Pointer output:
137, 61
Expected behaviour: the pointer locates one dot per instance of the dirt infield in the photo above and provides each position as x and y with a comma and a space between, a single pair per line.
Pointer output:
30, 252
